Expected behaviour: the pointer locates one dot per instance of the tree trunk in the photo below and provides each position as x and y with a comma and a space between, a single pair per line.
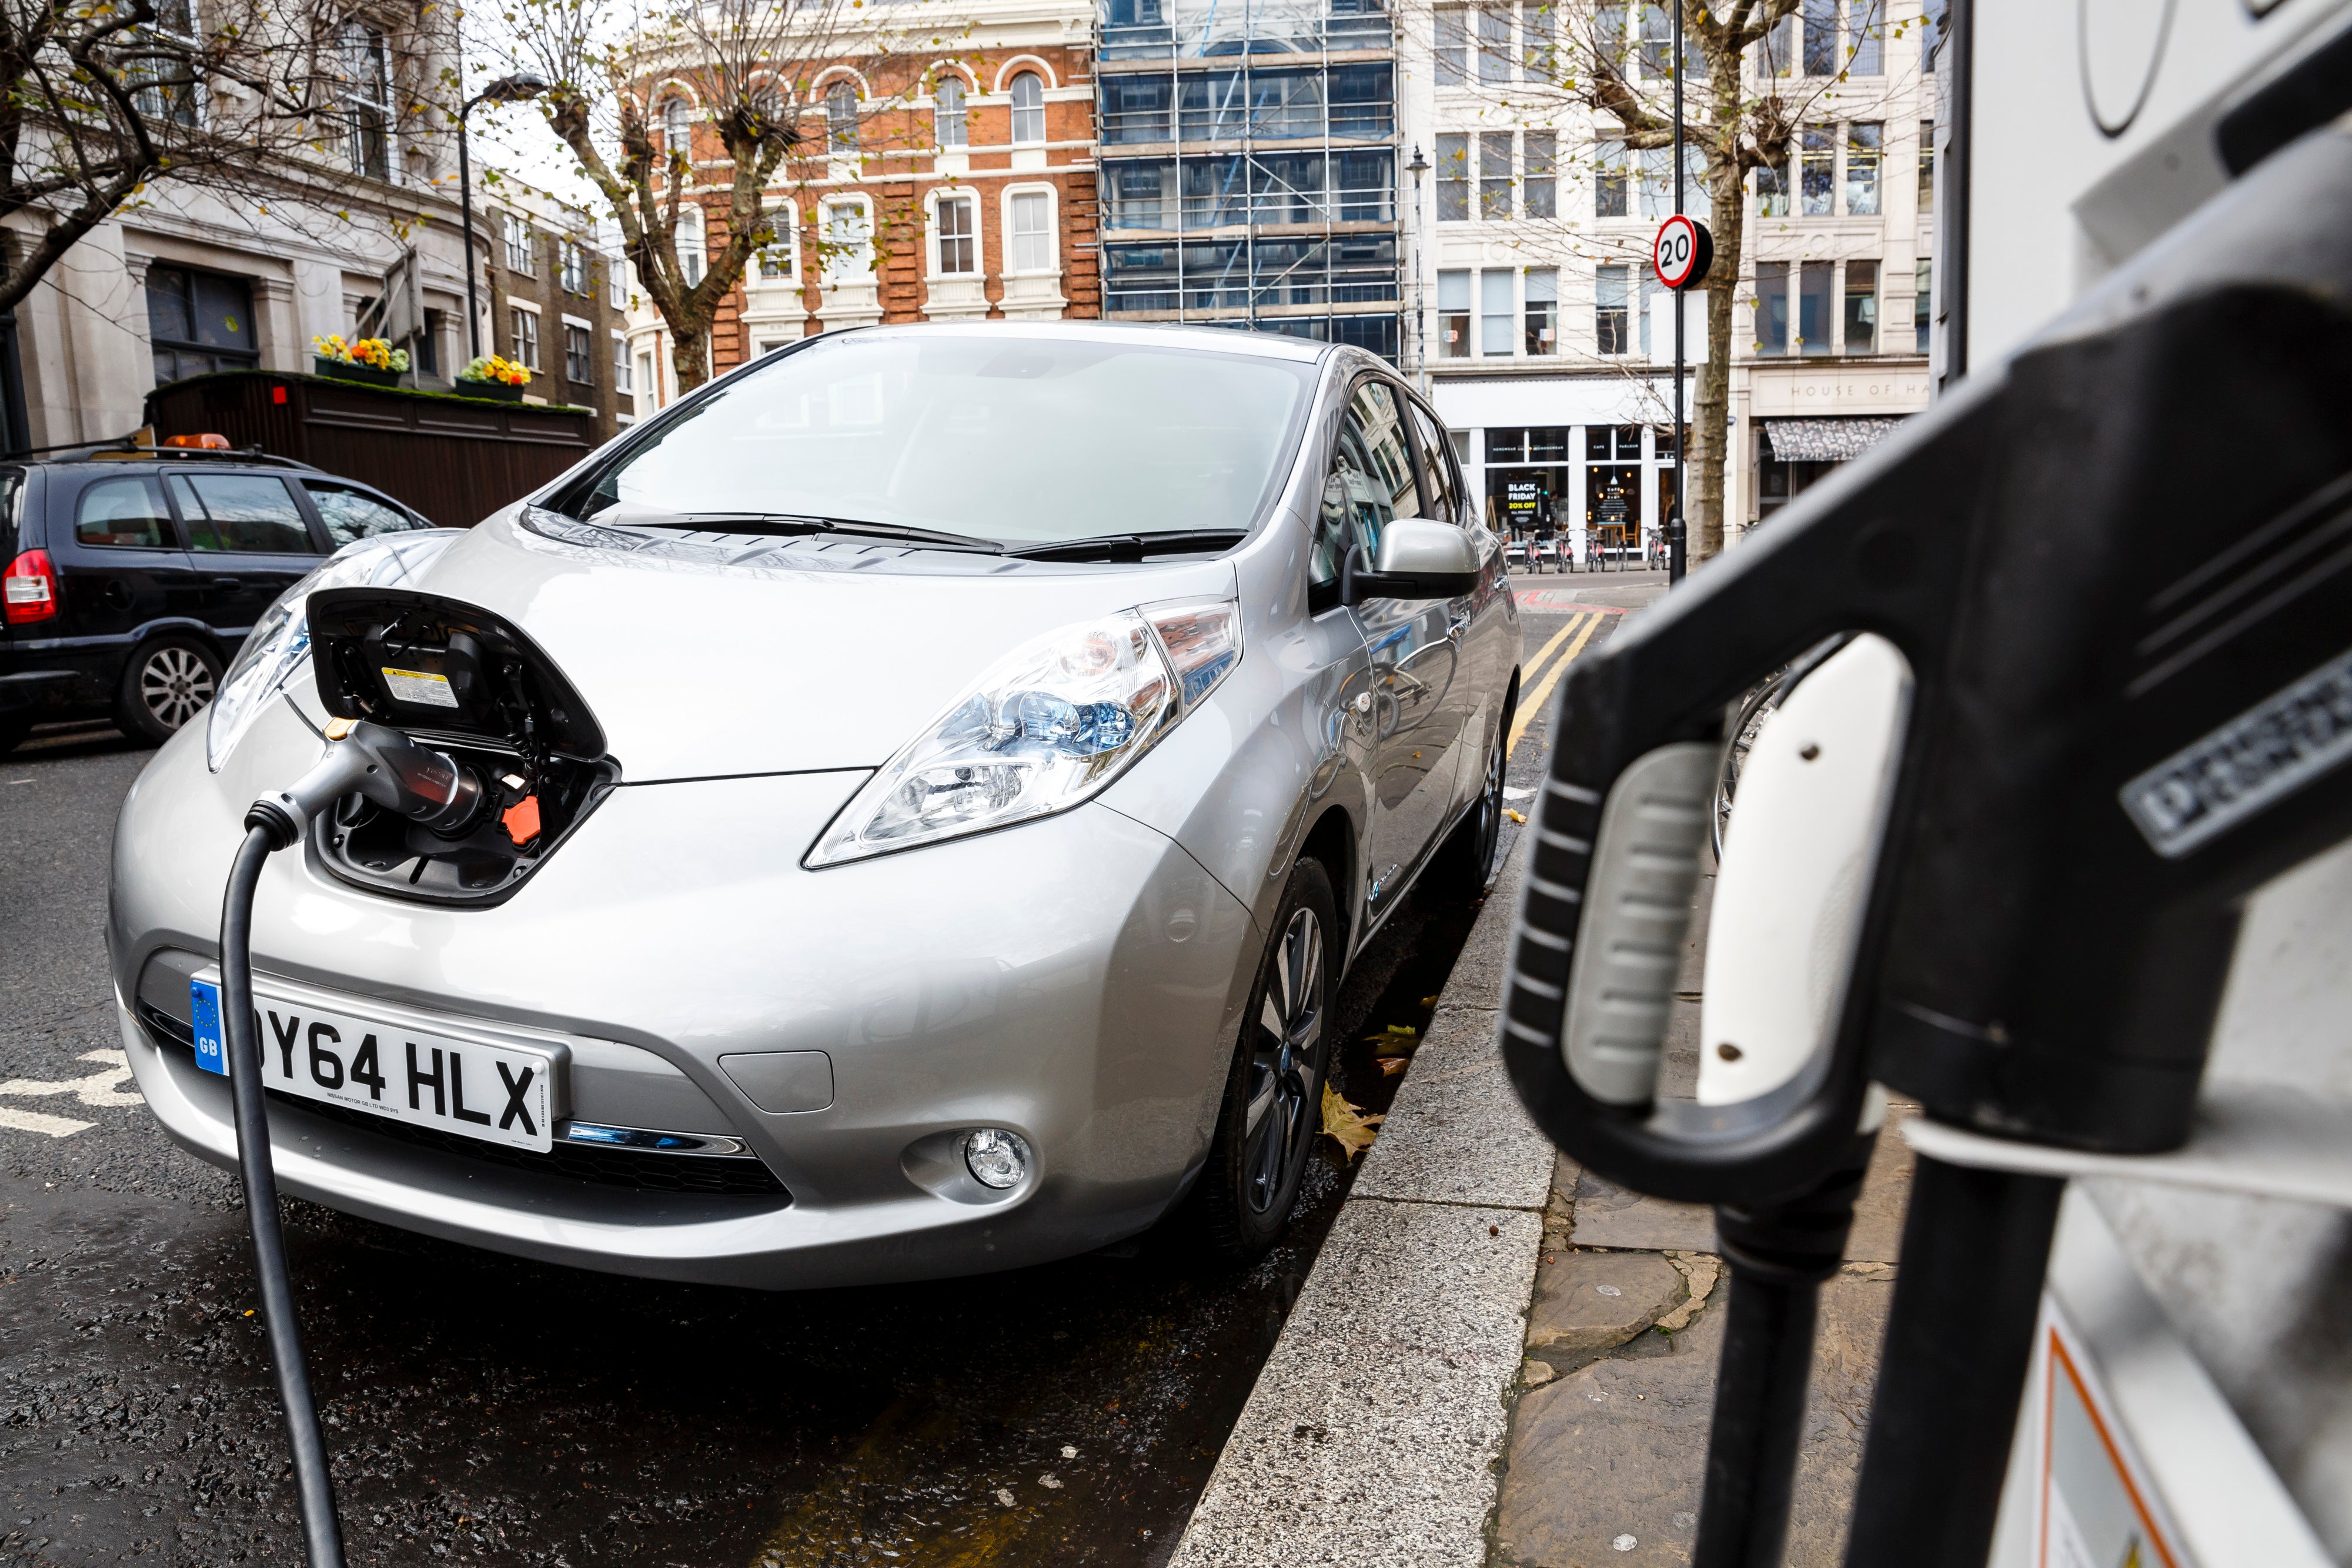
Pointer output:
1710, 432
690, 356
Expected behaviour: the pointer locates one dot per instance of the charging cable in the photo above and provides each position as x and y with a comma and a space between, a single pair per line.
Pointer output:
427, 787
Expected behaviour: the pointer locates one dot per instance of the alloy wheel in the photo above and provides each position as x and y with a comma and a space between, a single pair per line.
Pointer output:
1285, 1038
174, 684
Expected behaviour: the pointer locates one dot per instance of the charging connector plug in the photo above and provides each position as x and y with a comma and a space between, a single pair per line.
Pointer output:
427, 787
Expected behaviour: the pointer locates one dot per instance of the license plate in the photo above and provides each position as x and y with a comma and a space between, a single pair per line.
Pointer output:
499, 1093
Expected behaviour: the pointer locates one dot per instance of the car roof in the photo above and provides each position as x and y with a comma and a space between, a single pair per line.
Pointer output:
108, 457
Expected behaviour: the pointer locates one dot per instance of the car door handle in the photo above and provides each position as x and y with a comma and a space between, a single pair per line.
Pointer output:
228, 583
1456, 626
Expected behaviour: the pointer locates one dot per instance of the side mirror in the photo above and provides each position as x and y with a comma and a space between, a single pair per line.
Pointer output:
1418, 560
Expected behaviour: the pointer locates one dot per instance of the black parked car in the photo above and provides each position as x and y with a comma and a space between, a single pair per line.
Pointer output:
133, 575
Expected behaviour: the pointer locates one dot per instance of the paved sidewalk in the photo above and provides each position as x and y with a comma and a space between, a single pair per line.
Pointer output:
1501, 1359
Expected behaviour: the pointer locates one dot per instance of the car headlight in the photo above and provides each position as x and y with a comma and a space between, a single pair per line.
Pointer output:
1047, 728
279, 643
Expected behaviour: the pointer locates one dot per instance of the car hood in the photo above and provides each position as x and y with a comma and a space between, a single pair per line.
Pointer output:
710, 655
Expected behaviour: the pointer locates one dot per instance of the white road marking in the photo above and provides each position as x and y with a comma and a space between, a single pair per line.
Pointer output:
99, 1088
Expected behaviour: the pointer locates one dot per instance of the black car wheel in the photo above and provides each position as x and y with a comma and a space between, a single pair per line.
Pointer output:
166, 682
1466, 859
1274, 1095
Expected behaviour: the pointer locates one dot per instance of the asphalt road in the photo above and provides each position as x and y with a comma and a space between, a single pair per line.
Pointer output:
484, 1408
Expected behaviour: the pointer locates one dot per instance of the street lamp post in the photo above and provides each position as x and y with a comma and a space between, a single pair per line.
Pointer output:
1417, 167
1677, 540
506, 89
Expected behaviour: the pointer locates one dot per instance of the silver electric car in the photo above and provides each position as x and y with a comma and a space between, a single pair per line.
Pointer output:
924, 791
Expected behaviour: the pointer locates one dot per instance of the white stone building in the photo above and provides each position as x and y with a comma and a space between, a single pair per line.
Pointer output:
1539, 329
192, 279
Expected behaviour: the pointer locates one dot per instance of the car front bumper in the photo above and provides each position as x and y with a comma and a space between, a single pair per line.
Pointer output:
1077, 979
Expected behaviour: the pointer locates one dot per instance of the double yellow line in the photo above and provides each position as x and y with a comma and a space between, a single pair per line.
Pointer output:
1575, 635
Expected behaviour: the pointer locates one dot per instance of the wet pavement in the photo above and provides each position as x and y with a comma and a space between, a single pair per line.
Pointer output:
486, 1408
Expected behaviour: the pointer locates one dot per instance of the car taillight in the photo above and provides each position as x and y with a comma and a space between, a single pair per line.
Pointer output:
29, 588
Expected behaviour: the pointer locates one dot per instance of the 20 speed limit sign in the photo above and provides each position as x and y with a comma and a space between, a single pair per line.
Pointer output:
1683, 252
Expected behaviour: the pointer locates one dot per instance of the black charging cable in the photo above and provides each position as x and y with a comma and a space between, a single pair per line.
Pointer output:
425, 786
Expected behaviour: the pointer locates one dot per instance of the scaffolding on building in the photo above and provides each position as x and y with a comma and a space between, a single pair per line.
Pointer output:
1249, 166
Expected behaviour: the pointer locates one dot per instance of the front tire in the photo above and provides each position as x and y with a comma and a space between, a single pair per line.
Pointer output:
166, 684
1273, 1103
1466, 859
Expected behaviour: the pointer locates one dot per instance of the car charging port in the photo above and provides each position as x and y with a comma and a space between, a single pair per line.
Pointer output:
461, 682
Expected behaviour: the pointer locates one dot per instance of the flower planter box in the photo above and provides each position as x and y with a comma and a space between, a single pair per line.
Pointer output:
501, 391
367, 375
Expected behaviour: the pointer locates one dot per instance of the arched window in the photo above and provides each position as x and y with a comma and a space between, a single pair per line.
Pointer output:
693, 251
768, 103
841, 117
947, 113
674, 123
1028, 107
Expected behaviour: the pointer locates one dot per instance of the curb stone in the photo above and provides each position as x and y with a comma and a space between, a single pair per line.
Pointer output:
1375, 1432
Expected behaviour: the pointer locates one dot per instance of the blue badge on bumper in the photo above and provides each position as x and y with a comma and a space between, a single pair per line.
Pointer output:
203, 1002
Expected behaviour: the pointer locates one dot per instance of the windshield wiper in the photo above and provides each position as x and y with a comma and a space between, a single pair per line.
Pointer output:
786, 523
1134, 546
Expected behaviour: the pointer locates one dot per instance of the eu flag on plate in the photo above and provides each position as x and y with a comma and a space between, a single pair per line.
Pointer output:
204, 1001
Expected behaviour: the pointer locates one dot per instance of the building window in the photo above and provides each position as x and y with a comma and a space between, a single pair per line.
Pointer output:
1772, 190
578, 356
367, 101
1771, 308
958, 235
1452, 47
1816, 171
1028, 107
1543, 310
693, 251
949, 126
1926, 165
841, 117
1541, 180
1033, 232
676, 120
1820, 37
1494, 312
574, 267
1862, 150
847, 241
1609, 180
1539, 50
1776, 51
647, 384
1526, 476
1453, 315
774, 262
1813, 306
1495, 44
1494, 174
616, 283
1923, 299
199, 323
518, 232
622, 382
1862, 307
1869, 40
524, 327
1657, 44
171, 96
1611, 308
1453, 179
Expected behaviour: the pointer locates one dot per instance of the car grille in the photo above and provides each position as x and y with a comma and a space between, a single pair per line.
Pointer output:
717, 1175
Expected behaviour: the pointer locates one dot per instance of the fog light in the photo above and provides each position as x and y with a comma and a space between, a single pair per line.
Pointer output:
995, 1157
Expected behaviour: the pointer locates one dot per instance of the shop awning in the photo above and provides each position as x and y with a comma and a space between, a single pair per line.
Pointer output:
1825, 440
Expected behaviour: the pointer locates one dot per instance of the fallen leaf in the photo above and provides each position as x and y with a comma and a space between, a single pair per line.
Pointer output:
1396, 1039
1393, 1065
1515, 816
1348, 1123
1429, 1001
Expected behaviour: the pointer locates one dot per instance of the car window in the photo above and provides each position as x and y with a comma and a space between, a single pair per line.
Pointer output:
1370, 481
241, 513
128, 510
352, 514
1445, 491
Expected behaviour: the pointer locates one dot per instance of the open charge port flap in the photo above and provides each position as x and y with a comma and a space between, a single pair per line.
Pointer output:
464, 681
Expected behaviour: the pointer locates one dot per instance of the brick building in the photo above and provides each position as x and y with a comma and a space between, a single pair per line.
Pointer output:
953, 186
556, 303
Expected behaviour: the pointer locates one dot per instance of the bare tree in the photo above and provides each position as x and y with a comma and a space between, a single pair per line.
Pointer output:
626, 106
1744, 99
290, 114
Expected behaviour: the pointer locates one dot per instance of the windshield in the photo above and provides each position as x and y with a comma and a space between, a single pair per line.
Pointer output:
1013, 438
